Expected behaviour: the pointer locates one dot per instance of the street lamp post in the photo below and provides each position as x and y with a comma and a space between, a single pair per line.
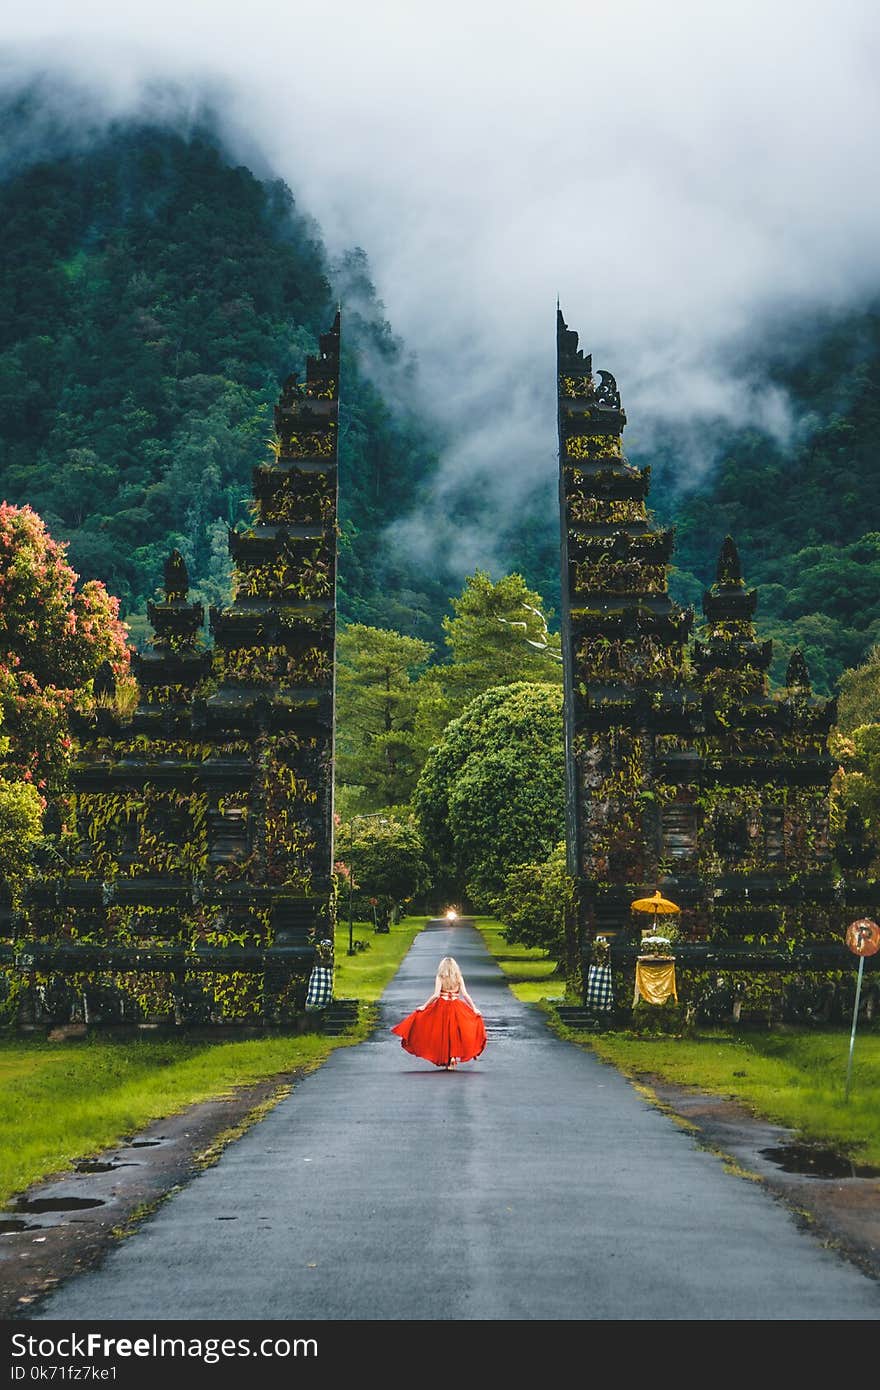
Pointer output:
377, 815
350, 886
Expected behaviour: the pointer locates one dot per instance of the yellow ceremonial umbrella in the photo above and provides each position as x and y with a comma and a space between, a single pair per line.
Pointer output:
657, 904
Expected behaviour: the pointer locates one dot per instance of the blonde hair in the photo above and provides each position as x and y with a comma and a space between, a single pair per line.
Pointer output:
449, 973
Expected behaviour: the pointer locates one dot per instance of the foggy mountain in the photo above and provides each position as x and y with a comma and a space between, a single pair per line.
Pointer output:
164, 278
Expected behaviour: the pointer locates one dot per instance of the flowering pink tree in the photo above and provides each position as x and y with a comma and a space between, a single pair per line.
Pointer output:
53, 639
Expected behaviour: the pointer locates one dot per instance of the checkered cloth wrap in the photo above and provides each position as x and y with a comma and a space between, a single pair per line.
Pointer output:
320, 992
600, 995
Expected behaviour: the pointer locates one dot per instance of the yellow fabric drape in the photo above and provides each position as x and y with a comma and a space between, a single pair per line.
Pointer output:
655, 979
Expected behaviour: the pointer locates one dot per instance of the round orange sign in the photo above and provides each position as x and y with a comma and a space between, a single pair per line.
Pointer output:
863, 937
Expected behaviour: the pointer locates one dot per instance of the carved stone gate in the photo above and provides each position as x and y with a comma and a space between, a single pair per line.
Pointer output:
192, 873
683, 772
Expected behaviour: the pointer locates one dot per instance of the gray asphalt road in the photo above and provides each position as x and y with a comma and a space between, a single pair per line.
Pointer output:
534, 1183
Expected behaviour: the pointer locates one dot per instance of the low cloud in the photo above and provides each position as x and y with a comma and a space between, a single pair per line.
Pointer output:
683, 176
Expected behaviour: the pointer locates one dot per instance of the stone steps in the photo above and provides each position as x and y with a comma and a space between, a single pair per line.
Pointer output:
576, 1016
339, 1016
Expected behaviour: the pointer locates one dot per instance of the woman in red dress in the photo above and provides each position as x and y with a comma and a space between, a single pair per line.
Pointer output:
448, 1028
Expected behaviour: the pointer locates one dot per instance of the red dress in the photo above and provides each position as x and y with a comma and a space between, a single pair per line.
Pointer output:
447, 1029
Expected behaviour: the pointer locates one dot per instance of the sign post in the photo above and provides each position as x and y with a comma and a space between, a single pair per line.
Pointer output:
863, 939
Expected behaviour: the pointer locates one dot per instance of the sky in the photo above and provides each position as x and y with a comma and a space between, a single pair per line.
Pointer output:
683, 176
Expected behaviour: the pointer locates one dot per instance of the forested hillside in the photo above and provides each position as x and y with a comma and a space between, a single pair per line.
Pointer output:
154, 296
153, 299
806, 517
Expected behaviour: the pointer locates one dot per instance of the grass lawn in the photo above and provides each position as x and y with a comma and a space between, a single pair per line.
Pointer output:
531, 973
365, 974
793, 1077
63, 1101
60, 1102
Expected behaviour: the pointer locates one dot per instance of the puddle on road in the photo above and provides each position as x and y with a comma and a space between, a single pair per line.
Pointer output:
145, 1143
37, 1204
97, 1165
12, 1225
811, 1162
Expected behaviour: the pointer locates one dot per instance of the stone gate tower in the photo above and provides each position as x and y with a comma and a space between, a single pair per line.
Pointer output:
684, 771
193, 872
623, 645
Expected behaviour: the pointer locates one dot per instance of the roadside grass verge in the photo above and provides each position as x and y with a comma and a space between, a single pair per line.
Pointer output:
60, 1102
365, 974
791, 1077
531, 974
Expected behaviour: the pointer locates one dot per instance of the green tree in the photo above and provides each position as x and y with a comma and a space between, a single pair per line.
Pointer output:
498, 634
21, 830
215, 585
855, 743
532, 903
21, 826
857, 780
385, 859
859, 697
491, 793
378, 747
